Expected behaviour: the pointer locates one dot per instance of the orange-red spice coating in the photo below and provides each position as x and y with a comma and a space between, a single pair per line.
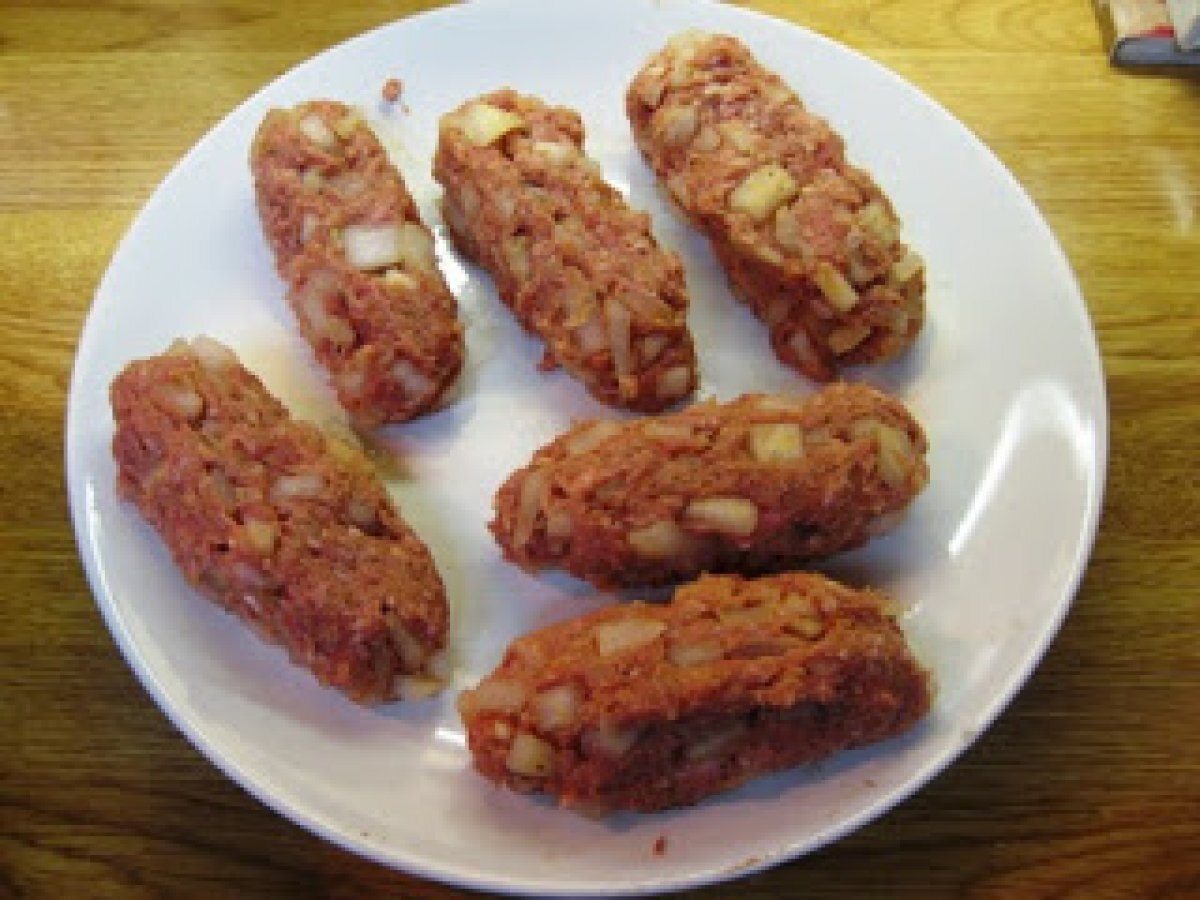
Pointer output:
753, 485
644, 706
288, 529
807, 240
364, 282
578, 267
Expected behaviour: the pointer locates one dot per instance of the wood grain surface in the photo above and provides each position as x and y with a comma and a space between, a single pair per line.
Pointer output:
1088, 786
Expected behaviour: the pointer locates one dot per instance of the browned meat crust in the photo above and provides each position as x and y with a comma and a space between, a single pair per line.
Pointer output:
808, 241
348, 239
287, 529
646, 707
753, 485
578, 267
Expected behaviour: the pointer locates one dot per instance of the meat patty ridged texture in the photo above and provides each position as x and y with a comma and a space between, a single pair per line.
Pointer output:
647, 706
286, 528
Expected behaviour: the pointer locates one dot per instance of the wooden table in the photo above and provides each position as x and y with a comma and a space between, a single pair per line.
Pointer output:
1089, 785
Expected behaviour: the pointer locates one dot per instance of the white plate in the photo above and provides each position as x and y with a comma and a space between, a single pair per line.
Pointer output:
1006, 378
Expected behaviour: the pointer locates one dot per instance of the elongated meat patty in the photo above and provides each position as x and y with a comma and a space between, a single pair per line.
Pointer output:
289, 530
647, 706
363, 280
807, 240
577, 266
757, 484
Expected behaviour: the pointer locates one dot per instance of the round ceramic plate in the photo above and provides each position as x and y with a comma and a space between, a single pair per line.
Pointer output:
1005, 377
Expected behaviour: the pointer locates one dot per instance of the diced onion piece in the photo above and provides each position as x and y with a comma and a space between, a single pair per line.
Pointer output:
683, 48
622, 635
308, 227
651, 346
515, 251
862, 266
483, 123
352, 381
676, 125
843, 340
763, 191
798, 605
822, 434
213, 355
506, 201
312, 179
412, 380
787, 229
555, 152
304, 486
223, 486
371, 247
906, 267
415, 247
677, 184
312, 307
314, 128
740, 136
344, 127
895, 456
495, 695
734, 516
755, 614
801, 345
836, 289
715, 743
685, 654
338, 331
262, 534
359, 511
183, 400
577, 299
251, 578
876, 221
529, 503
663, 539
558, 524
608, 741
592, 335
778, 403
809, 627
531, 756
776, 443
591, 435
674, 383
707, 140
349, 185
556, 707
619, 322
415, 688
398, 279
647, 306
651, 84
411, 650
